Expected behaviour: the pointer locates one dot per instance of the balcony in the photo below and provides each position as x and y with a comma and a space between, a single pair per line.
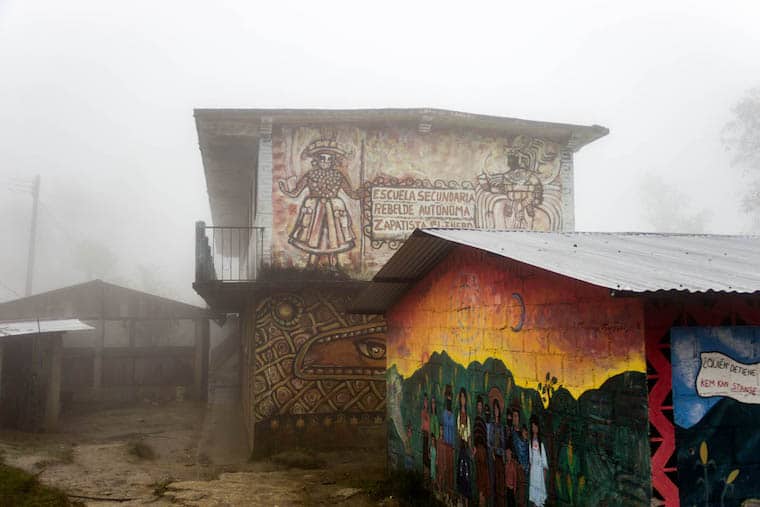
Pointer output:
228, 260
230, 269
227, 254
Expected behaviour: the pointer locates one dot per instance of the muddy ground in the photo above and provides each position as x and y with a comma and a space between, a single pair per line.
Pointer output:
161, 454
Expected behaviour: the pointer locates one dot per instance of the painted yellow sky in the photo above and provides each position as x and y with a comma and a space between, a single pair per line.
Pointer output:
466, 308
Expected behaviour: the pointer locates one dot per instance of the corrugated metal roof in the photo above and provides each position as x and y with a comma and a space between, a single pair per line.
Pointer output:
625, 262
28, 327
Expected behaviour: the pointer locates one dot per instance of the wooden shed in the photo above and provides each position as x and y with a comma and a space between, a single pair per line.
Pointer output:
30, 372
141, 345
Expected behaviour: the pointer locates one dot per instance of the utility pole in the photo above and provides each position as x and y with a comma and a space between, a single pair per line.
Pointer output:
33, 236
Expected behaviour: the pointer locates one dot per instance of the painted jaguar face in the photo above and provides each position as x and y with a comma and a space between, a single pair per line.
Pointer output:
354, 352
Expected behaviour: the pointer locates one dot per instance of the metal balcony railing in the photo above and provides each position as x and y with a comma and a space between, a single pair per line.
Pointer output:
227, 254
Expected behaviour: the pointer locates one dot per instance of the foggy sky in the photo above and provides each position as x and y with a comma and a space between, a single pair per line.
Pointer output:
97, 98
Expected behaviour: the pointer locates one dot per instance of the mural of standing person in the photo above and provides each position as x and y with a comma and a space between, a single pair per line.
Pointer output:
409, 455
496, 448
447, 447
435, 433
510, 477
323, 227
520, 446
539, 466
425, 430
464, 432
480, 442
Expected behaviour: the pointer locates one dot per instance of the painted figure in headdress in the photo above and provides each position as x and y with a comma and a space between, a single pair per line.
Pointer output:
323, 227
510, 199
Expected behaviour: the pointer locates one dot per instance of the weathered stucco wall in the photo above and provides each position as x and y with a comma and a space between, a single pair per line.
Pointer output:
348, 196
555, 355
314, 375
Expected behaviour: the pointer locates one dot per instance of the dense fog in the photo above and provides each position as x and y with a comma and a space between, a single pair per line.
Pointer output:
97, 98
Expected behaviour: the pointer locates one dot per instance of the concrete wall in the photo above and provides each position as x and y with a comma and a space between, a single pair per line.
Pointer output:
127, 359
312, 376
539, 348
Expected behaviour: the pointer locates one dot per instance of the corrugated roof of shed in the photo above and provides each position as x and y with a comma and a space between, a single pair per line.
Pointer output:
626, 262
32, 327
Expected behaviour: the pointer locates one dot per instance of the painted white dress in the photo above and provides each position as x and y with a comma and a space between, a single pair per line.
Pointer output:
538, 467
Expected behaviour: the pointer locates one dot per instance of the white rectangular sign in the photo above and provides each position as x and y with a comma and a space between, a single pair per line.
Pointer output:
396, 212
720, 375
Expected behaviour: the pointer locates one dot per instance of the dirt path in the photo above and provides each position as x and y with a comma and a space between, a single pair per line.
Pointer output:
149, 454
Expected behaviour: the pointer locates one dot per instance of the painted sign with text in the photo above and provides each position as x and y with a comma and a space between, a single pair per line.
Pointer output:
720, 375
393, 211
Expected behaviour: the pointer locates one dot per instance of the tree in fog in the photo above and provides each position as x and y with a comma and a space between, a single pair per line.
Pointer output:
150, 278
741, 137
95, 259
668, 209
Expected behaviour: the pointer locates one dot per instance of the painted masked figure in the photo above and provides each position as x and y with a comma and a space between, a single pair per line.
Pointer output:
323, 227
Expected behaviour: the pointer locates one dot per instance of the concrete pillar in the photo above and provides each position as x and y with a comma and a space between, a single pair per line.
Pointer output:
53, 397
132, 343
264, 214
200, 369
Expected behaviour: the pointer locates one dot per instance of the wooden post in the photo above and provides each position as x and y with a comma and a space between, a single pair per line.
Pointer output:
1, 373
53, 398
32, 236
132, 326
97, 365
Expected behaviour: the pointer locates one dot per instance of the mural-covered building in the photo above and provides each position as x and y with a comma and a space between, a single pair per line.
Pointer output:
574, 368
306, 207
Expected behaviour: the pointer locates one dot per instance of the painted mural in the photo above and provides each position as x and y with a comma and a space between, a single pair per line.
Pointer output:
315, 369
716, 391
345, 198
512, 386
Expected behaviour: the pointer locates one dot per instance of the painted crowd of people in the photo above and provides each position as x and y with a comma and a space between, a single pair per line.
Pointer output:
488, 459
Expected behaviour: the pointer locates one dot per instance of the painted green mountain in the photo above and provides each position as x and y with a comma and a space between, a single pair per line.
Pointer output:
731, 433
597, 446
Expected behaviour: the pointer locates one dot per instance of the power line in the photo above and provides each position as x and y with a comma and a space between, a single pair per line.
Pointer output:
9, 289
58, 225
18, 185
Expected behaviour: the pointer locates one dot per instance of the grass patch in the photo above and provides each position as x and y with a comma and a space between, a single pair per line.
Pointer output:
18, 488
160, 486
141, 450
298, 458
406, 487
